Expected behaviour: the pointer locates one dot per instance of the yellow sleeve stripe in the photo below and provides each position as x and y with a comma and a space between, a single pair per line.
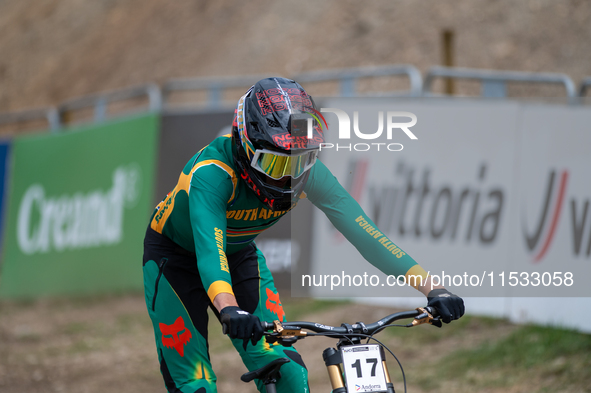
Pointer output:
218, 287
184, 184
185, 180
413, 274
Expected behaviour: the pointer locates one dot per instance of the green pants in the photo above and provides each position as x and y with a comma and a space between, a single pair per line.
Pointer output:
177, 303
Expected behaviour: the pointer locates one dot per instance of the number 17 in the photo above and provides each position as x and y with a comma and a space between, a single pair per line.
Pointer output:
357, 366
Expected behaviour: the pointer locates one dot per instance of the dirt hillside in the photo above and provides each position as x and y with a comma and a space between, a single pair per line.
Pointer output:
52, 50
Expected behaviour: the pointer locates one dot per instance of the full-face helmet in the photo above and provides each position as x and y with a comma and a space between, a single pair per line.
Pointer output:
276, 134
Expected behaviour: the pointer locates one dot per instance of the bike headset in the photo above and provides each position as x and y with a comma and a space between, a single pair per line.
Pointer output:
276, 136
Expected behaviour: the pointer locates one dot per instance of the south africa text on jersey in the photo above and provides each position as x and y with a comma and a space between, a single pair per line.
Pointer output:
164, 205
253, 214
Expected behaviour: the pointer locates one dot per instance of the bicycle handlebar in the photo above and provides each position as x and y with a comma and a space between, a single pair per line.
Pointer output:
420, 315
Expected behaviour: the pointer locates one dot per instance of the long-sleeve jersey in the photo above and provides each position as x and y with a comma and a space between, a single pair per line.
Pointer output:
214, 213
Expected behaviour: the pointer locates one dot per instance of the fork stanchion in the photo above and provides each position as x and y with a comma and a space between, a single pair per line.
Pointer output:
389, 384
332, 360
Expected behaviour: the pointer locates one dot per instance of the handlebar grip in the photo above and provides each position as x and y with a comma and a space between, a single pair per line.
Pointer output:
267, 325
436, 319
432, 311
225, 320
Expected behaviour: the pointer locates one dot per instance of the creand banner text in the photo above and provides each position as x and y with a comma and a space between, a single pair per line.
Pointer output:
79, 204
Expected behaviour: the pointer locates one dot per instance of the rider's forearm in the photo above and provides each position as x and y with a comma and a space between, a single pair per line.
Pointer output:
348, 217
208, 220
223, 300
427, 287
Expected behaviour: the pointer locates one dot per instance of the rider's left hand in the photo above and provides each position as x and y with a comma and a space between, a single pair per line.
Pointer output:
448, 305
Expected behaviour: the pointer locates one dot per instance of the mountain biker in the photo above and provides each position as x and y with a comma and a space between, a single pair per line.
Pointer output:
199, 248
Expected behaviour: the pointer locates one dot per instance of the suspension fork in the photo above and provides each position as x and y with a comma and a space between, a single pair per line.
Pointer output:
389, 384
332, 360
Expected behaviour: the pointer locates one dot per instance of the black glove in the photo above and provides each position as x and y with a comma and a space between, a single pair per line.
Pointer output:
241, 324
448, 305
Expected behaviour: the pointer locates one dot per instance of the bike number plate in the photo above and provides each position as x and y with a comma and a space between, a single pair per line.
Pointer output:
362, 365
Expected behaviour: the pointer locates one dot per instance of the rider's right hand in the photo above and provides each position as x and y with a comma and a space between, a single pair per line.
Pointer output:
241, 324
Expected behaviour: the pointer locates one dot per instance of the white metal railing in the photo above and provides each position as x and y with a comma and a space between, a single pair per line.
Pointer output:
493, 84
99, 102
584, 85
347, 78
49, 115
213, 86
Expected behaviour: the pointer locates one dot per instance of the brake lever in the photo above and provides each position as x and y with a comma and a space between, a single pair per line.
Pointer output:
436, 322
286, 341
426, 317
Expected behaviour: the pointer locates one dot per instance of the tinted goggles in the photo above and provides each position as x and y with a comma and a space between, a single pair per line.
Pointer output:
277, 165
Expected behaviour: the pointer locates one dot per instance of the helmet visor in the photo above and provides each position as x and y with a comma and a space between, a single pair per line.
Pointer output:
277, 165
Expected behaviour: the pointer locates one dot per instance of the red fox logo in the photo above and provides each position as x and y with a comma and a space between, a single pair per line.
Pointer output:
176, 335
274, 304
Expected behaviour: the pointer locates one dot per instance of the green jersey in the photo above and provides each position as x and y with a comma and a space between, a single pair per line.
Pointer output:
213, 212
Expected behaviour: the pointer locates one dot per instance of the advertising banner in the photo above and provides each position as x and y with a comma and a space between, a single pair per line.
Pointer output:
4, 152
78, 208
490, 197
550, 230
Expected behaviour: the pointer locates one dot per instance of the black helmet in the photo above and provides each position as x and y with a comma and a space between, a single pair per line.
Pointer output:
276, 136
